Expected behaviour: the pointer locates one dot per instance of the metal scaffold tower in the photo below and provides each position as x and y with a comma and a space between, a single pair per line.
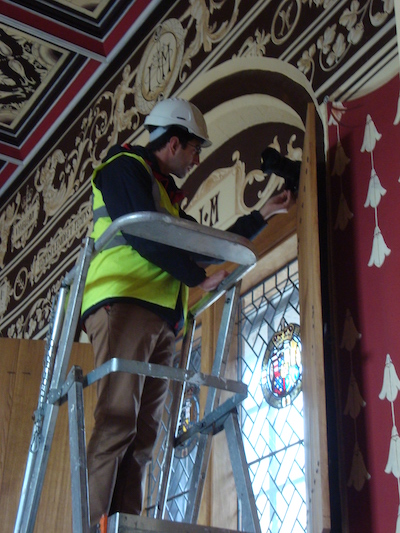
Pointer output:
58, 386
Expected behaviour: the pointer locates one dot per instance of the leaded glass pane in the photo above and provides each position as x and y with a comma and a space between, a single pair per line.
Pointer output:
182, 466
273, 438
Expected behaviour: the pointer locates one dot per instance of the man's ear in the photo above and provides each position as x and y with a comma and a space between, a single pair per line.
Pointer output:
174, 142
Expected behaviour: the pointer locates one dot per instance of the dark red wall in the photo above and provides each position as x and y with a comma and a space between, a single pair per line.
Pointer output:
371, 296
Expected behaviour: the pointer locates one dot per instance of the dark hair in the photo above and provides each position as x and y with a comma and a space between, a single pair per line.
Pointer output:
173, 131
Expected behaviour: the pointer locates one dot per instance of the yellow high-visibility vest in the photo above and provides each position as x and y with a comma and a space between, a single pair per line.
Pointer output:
119, 271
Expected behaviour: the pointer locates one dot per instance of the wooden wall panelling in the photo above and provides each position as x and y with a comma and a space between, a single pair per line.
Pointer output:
223, 482
208, 344
217, 509
8, 371
56, 500
23, 402
55, 505
315, 427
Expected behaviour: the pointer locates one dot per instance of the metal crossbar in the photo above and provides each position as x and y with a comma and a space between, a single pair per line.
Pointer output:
57, 387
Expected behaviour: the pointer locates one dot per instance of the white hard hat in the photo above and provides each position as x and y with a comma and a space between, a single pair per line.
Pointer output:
177, 112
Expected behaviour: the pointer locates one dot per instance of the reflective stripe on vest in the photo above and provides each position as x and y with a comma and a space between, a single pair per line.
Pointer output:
158, 192
119, 271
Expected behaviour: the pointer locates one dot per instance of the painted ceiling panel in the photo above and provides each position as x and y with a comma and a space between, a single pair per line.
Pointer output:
53, 52
32, 72
94, 18
49, 52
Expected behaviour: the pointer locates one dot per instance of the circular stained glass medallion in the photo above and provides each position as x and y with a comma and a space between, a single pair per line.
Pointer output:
282, 371
189, 415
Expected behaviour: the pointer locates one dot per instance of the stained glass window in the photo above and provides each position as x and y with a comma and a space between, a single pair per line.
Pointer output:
272, 414
273, 435
282, 371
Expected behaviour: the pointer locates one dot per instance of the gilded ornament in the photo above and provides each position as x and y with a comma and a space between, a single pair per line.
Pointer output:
160, 64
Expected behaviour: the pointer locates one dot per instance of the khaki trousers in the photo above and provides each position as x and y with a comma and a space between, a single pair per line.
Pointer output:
129, 407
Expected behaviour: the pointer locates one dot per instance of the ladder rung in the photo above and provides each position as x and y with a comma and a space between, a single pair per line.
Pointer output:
213, 422
126, 523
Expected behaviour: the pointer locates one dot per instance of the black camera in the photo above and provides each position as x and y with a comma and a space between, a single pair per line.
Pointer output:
272, 162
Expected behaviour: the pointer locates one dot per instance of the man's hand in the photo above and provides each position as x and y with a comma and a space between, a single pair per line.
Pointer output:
281, 203
212, 282
273, 162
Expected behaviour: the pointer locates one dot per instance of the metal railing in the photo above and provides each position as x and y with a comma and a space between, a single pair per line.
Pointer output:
57, 387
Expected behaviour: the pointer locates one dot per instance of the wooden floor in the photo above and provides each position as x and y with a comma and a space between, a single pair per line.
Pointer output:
21, 365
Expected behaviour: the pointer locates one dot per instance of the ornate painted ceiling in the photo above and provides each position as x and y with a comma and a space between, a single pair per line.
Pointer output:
52, 52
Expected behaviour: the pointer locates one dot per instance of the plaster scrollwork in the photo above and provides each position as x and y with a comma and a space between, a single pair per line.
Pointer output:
160, 64
217, 178
271, 185
83, 154
69, 175
53, 198
295, 153
118, 118
254, 46
152, 80
330, 48
7, 218
20, 283
163, 61
74, 228
333, 45
29, 62
285, 20
15, 65
207, 33
5, 294
76, 165
26, 221
37, 318
15, 331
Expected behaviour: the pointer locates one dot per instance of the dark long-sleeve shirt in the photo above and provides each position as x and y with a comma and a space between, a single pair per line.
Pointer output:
126, 188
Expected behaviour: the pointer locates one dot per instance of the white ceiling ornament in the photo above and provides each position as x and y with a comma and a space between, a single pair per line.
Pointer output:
379, 249
375, 192
393, 462
389, 391
391, 382
371, 136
